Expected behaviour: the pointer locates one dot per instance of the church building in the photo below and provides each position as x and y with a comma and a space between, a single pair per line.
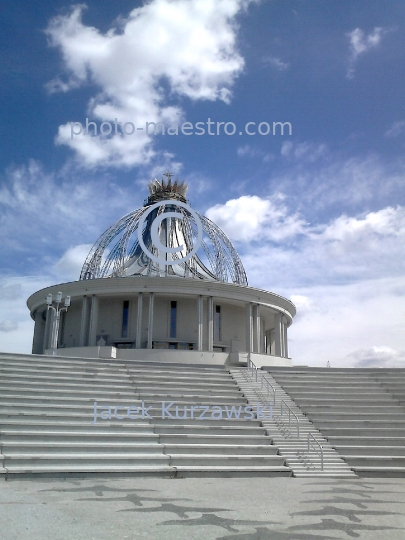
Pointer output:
164, 284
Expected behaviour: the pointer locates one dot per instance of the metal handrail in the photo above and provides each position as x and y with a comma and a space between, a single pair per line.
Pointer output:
290, 412
252, 366
269, 387
315, 450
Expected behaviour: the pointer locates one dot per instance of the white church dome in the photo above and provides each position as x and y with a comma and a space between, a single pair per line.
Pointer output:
165, 237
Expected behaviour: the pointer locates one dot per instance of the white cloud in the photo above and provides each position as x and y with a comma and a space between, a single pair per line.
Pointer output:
276, 63
333, 181
8, 326
41, 214
360, 43
348, 322
69, 266
276, 242
253, 218
16, 325
377, 357
251, 152
9, 291
309, 152
344, 276
396, 129
344, 250
189, 44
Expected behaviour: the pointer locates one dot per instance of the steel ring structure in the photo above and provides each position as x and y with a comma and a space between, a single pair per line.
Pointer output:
119, 253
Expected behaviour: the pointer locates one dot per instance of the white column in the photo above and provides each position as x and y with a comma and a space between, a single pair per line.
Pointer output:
84, 323
285, 338
39, 333
278, 335
257, 329
48, 329
249, 328
210, 323
93, 321
150, 323
138, 342
200, 323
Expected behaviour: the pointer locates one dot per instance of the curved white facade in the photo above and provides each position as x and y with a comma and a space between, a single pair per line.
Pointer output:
168, 317
164, 283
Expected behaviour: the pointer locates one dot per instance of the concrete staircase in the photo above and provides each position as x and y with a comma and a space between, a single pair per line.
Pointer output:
47, 420
361, 412
292, 441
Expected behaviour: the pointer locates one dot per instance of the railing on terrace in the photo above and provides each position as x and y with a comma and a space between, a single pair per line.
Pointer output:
310, 444
265, 382
290, 413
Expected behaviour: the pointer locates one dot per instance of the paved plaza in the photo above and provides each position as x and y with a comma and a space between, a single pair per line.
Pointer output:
135, 508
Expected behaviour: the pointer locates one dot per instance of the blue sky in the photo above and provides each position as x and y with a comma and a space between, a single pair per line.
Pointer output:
317, 216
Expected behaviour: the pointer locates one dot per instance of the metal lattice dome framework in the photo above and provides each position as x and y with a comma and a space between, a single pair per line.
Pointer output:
119, 251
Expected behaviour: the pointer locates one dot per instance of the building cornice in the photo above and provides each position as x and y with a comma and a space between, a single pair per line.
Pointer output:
105, 287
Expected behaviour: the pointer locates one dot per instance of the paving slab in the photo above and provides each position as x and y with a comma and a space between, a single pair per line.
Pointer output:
102, 508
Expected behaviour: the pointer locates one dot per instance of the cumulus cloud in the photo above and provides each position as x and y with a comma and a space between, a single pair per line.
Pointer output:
275, 241
253, 218
361, 43
69, 266
166, 48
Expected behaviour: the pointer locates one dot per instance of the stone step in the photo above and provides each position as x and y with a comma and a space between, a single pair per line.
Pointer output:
154, 470
355, 400
156, 417
323, 474
133, 401
210, 438
74, 435
99, 363
367, 471
79, 459
374, 461
155, 399
44, 436
312, 410
357, 422
371, 450
46, 470
246, 449
117, 377
305, 386
159, 426
106, 381
53, 392
226, 460
331, 416
79, 447
366, 440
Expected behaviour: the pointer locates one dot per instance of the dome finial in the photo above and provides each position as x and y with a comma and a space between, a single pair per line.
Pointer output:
167, 190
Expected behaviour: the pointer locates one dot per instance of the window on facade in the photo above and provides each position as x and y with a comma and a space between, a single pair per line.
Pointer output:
125, 314
173, 318
217, 324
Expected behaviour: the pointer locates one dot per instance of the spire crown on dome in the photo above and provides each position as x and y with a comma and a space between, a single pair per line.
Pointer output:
166, 189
